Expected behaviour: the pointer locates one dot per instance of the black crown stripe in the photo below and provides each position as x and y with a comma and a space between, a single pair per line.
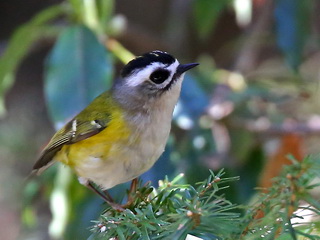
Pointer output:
145, 60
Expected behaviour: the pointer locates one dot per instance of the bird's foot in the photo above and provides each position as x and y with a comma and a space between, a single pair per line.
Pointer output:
132, 194
116, 206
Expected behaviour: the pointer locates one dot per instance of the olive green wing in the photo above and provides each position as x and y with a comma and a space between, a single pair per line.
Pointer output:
72, 132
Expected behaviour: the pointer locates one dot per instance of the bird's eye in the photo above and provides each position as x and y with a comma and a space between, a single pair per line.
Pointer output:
159, 76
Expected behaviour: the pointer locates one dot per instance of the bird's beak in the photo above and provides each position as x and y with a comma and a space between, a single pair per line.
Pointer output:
185, 67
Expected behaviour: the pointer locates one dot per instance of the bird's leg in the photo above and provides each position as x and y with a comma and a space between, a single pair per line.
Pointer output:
131, 193
133, 186
107, 198
107, 194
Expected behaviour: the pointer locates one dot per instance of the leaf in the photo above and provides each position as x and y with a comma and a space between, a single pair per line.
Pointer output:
206, 14
105, 10
20, 43
79, 68
292, 18
93, 13
76, 6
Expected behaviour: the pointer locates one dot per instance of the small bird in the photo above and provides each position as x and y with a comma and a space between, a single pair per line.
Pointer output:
122, 132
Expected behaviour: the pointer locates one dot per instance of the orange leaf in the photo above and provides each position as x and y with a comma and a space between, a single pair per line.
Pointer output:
289, 144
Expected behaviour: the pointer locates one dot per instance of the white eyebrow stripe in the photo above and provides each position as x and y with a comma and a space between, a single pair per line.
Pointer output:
142, 75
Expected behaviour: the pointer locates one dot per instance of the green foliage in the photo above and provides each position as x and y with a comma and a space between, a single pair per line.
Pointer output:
79, 68
207, 12
290, 209
93, 13
21, 42
172, 211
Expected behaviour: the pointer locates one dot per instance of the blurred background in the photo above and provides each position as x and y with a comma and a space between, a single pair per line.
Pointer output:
253, 100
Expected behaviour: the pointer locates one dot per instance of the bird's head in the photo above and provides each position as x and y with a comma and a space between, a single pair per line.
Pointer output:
151, 76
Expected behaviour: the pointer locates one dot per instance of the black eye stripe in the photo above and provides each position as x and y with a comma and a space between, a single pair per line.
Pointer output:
159, 76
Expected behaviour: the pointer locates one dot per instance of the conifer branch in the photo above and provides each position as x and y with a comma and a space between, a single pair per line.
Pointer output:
172, 211
288, 209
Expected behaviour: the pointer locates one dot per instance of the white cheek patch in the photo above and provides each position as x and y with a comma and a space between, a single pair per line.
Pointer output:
137, 78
